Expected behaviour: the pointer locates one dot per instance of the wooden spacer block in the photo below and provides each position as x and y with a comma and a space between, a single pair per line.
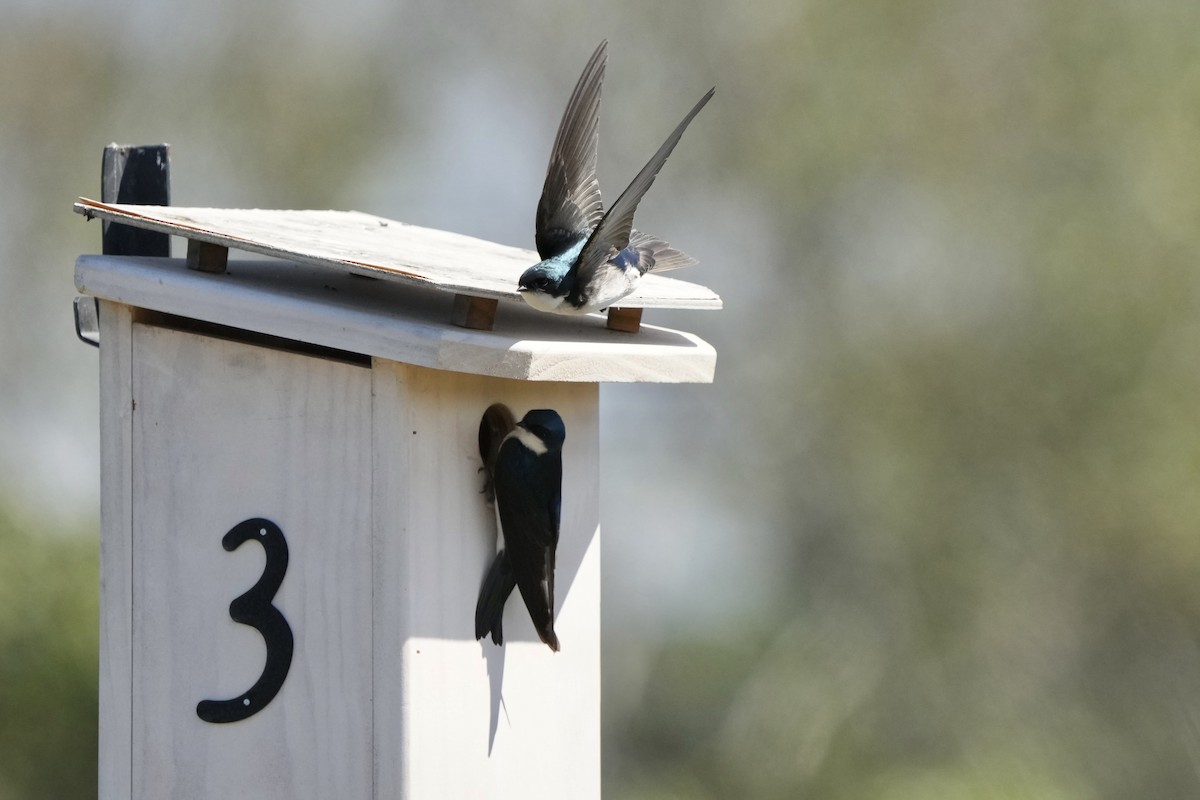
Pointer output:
477, 313
207, 257
626, 320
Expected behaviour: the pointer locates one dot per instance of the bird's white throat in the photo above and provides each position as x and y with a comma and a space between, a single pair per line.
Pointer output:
542, 301
530, 439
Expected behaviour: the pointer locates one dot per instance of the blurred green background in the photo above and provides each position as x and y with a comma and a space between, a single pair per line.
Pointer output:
932, 533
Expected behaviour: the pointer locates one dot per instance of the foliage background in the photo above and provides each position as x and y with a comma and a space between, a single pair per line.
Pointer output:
932, 533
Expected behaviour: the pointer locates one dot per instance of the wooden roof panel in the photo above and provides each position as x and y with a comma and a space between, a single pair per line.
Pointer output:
351, 241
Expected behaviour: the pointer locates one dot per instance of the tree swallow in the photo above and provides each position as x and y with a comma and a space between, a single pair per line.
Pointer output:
525, 473
590, 258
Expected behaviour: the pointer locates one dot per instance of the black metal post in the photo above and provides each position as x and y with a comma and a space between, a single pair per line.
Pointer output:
142, 175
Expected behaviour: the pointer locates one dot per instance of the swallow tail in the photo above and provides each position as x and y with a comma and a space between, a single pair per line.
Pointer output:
489, 610
654, 255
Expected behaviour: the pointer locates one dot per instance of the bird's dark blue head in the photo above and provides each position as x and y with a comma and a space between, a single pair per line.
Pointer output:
547, 425
545, 284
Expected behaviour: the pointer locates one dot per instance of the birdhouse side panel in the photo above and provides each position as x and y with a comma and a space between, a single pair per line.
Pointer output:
251, 489
458, 717
116, 553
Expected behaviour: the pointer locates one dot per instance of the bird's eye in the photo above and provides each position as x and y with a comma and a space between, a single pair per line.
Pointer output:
541, 284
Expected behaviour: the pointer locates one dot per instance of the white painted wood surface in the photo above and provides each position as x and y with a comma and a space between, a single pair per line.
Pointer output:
374, 476
116, 552
370, 245
397, 322
224, 432
457, 718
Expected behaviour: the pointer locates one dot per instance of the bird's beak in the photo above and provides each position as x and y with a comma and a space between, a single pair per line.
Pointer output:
522, 288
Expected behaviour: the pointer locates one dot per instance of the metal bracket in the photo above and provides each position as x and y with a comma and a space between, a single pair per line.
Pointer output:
87, 320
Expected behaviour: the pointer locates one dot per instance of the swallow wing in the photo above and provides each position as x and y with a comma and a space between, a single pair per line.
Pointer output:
613, 233
570, 204
529, 501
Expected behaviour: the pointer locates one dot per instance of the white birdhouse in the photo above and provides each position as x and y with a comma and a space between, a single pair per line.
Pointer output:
334, 421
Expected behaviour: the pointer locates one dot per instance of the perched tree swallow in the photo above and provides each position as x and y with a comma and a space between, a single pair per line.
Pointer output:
591, 259
525, 472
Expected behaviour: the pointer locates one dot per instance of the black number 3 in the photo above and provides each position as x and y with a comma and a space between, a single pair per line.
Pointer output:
254, 609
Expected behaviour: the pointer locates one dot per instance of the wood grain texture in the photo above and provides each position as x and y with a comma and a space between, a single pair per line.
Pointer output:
455, 717
116, 552
397, 322
223, 432
355, 242
374, 476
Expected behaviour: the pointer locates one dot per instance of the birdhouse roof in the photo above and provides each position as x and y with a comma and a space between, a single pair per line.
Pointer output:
313, 294
365, 244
